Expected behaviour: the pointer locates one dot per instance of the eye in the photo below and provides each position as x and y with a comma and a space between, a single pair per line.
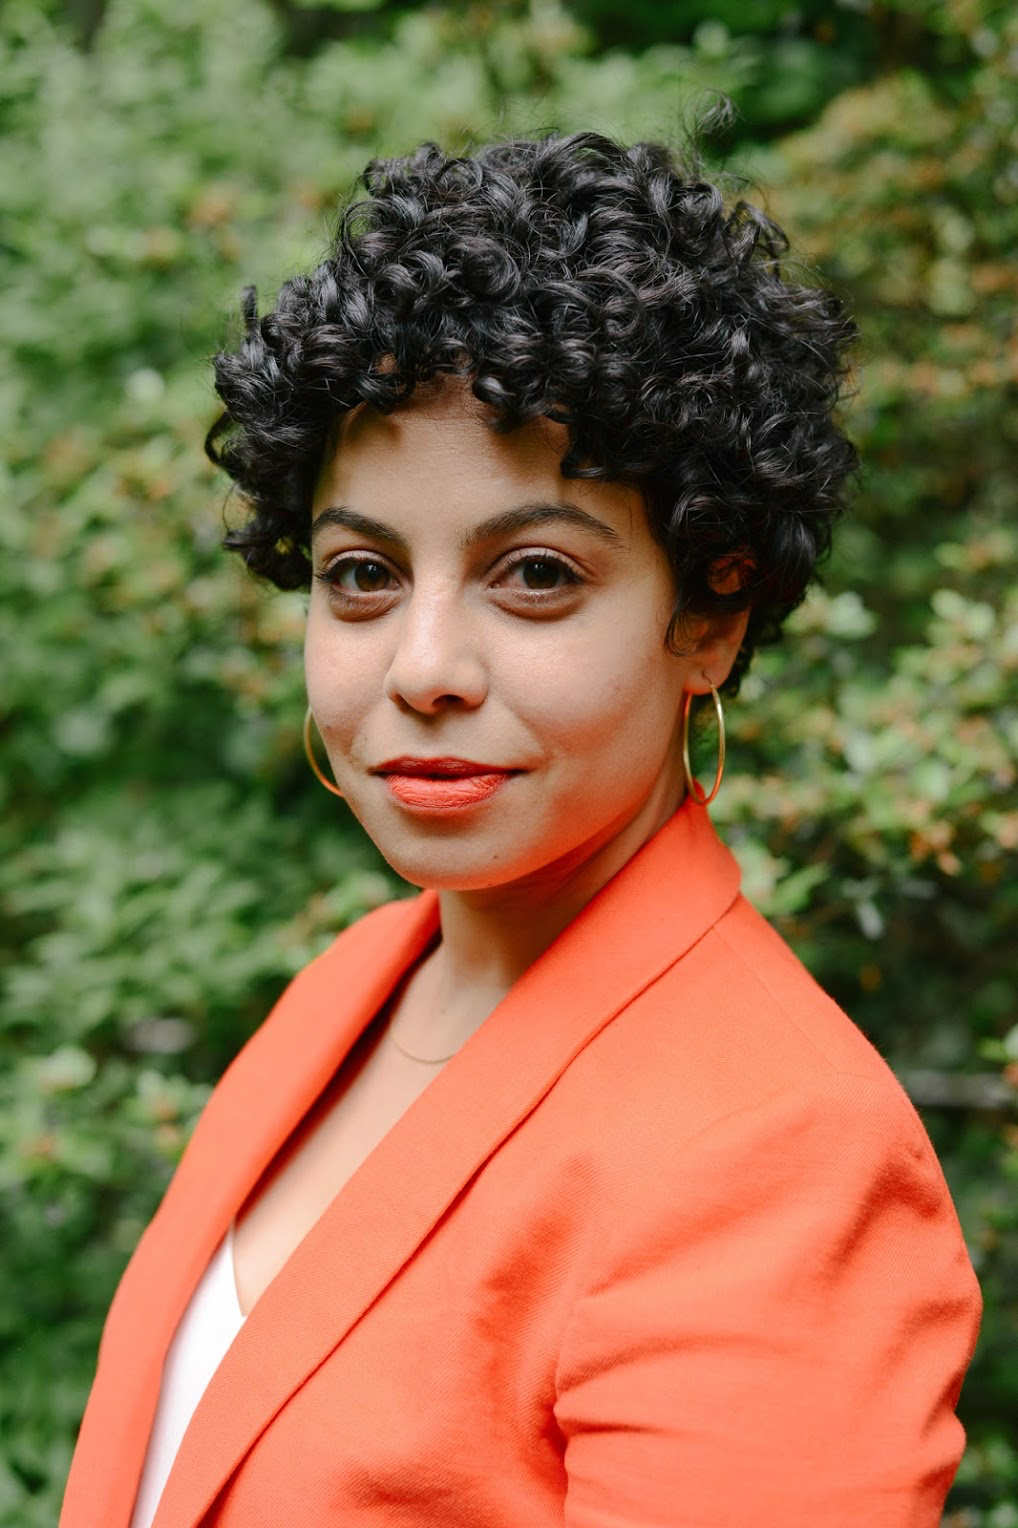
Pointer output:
539, 573
368, 577
350, 577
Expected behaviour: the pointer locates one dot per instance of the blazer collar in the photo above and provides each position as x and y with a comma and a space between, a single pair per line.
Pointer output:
645, 918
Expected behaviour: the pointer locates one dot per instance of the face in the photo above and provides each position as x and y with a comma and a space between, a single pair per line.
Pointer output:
485, 651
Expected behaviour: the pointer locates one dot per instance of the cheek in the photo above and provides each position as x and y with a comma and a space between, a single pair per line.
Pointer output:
617, 698
337, 687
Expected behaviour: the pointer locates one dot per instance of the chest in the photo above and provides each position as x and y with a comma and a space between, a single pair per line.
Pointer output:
371, 1091
437, 1407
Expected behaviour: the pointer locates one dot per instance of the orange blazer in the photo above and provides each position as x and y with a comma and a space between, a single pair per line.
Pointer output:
665, 1245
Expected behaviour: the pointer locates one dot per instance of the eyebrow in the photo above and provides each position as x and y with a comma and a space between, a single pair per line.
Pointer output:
505, 523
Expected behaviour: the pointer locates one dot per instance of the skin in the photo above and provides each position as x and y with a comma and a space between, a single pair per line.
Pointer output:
556, 666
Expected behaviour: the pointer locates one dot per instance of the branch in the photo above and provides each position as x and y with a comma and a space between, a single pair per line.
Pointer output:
982, 1092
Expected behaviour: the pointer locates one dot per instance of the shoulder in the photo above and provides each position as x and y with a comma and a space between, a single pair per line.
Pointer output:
736, 1123
764, 990
733, 1044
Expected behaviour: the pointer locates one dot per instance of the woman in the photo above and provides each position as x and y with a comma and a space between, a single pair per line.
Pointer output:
559, 1193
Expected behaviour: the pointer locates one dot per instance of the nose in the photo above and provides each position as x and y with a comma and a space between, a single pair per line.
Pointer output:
437, 662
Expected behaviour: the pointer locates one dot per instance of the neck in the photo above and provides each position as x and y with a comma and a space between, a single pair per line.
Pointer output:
491, 936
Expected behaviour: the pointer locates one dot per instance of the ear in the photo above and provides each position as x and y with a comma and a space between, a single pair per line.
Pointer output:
717, 638
715, 649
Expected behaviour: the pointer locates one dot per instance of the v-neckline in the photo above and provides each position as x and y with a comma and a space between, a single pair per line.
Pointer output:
366, 1046
238, 1310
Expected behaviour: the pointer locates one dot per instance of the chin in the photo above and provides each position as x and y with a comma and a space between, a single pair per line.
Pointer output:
441, 860
462, 863
448, 871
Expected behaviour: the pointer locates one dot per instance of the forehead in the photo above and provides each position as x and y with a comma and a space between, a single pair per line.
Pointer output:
438, 454
442, 429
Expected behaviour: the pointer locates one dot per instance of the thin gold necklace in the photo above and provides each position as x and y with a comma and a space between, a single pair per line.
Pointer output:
425, 1060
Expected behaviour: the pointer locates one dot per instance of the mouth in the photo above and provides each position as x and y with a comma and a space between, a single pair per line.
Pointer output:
442, 786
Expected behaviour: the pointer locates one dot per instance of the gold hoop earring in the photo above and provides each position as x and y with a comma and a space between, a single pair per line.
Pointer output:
309, 751
696, 790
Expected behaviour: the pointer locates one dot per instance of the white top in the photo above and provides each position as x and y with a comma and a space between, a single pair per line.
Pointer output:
206, 1329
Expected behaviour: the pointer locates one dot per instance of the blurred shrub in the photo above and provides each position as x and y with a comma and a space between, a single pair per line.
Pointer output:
166, 861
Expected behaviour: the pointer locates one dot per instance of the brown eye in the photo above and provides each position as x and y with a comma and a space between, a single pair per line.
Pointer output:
541, 572
348, 577
539, 582
370, 577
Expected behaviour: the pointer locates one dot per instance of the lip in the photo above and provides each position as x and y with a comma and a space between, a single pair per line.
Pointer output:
445, 793
444, 768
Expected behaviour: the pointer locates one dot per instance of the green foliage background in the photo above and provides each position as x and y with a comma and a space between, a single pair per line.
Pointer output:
166, 861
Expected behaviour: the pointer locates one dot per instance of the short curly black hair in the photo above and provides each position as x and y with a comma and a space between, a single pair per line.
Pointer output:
608, 287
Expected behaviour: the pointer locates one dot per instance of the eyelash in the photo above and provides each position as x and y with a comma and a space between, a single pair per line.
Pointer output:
571, 576
330, 575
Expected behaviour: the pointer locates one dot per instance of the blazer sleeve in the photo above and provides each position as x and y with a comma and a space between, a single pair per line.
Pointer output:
778, 1331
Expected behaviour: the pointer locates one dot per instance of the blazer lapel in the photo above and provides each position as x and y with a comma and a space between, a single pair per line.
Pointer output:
264, 1095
